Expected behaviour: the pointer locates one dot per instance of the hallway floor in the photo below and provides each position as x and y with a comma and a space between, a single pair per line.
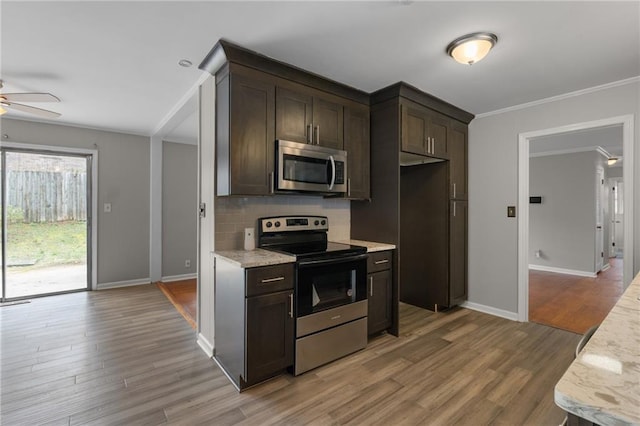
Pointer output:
571, 302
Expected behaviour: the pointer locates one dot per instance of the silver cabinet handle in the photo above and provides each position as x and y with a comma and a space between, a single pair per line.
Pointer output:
271, 182
454, 190
317, 135
380, 262
271, 280
454, 209
371, 286
291, 305
309, 134
433, 145
348, 187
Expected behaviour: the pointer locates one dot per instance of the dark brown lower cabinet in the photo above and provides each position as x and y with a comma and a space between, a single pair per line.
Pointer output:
457, 252
269, 335
379, 296
254, 325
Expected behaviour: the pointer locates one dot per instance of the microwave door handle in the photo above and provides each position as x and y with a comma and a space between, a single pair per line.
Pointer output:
333, 172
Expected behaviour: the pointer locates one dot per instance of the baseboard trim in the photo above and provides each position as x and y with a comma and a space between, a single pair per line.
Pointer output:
205, 345
172, 278
563, 271
118, 284
513, 316
605, 267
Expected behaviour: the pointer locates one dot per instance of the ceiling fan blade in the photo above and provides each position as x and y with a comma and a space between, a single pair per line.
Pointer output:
29, 97
31, 110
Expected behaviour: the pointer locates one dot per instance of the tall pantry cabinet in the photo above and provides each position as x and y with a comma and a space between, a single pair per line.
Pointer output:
418, 194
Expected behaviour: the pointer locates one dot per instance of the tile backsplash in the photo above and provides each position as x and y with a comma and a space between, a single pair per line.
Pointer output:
234, 214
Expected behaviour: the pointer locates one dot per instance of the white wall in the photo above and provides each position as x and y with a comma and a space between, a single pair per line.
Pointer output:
123, 181
179, 209
493, 184
563, 226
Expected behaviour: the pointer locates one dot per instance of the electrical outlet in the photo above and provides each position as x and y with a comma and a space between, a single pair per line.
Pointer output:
107, 207
187, 263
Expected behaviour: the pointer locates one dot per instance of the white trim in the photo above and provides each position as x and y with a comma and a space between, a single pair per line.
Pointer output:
94, 193
205, 345
523, 200
127, 283
600, 150
172, 278
181, 110
563, 271
513, 316
561, 97
605, 267
155, 208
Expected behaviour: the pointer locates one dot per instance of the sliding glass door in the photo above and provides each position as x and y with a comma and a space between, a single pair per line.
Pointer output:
46, 222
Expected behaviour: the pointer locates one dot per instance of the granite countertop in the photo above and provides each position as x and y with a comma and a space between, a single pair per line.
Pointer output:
254, 258
370, 245
259, 257
603, 383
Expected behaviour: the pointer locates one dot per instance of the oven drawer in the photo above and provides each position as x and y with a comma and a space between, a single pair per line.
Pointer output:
330, 318
268, 279
317, 349
379, 261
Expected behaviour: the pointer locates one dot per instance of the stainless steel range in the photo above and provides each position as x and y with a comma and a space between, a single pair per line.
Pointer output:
330, 289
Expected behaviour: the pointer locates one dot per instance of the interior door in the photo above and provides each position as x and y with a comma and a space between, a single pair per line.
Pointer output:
599, 251
618, 217
46, 223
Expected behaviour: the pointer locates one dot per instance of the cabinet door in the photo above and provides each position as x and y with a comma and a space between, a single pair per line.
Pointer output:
251, 138
414, 129
293, 115
457, 140
357, 145
328, 122
270, 338
438, 125
379, 298
458, 253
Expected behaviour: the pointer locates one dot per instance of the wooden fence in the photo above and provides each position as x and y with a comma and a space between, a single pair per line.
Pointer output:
47, 196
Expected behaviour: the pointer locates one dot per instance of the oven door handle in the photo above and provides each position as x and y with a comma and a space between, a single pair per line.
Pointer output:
335, 260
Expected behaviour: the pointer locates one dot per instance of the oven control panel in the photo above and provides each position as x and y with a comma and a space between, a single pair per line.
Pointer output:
293, 223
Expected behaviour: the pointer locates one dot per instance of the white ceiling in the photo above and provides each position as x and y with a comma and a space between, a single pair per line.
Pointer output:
114, 64
608, 138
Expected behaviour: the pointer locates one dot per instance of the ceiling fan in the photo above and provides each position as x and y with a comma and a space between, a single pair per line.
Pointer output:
8, 101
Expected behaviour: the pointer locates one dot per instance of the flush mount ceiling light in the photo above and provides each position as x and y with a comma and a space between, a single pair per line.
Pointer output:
612, 160
2, 110
471, 48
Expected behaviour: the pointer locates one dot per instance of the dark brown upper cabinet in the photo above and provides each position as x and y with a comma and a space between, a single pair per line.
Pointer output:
245, 134
424, 132
358, 147
302, 115
458, 146
260, 100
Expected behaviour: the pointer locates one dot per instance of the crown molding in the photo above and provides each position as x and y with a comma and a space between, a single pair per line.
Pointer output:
561, 97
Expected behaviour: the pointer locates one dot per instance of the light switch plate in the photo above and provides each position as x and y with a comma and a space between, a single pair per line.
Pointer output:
107, 207
511, 211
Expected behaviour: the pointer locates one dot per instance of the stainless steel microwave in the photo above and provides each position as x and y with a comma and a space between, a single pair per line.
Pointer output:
310, 168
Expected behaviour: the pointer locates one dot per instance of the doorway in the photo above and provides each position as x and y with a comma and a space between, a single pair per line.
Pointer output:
626, 123
46, 222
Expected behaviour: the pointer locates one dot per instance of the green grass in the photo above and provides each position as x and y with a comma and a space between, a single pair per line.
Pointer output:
46, 243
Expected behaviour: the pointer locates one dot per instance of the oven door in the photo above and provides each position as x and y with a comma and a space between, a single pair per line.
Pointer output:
329, 283
302, 167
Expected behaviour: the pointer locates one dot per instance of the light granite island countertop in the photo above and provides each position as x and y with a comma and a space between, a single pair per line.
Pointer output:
602, 384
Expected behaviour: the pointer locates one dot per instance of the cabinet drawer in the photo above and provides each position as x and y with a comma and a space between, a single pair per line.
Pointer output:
379, 261
269, 279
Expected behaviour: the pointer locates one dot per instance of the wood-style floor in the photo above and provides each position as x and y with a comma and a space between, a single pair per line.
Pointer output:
125, 356
571, 302
183, 295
